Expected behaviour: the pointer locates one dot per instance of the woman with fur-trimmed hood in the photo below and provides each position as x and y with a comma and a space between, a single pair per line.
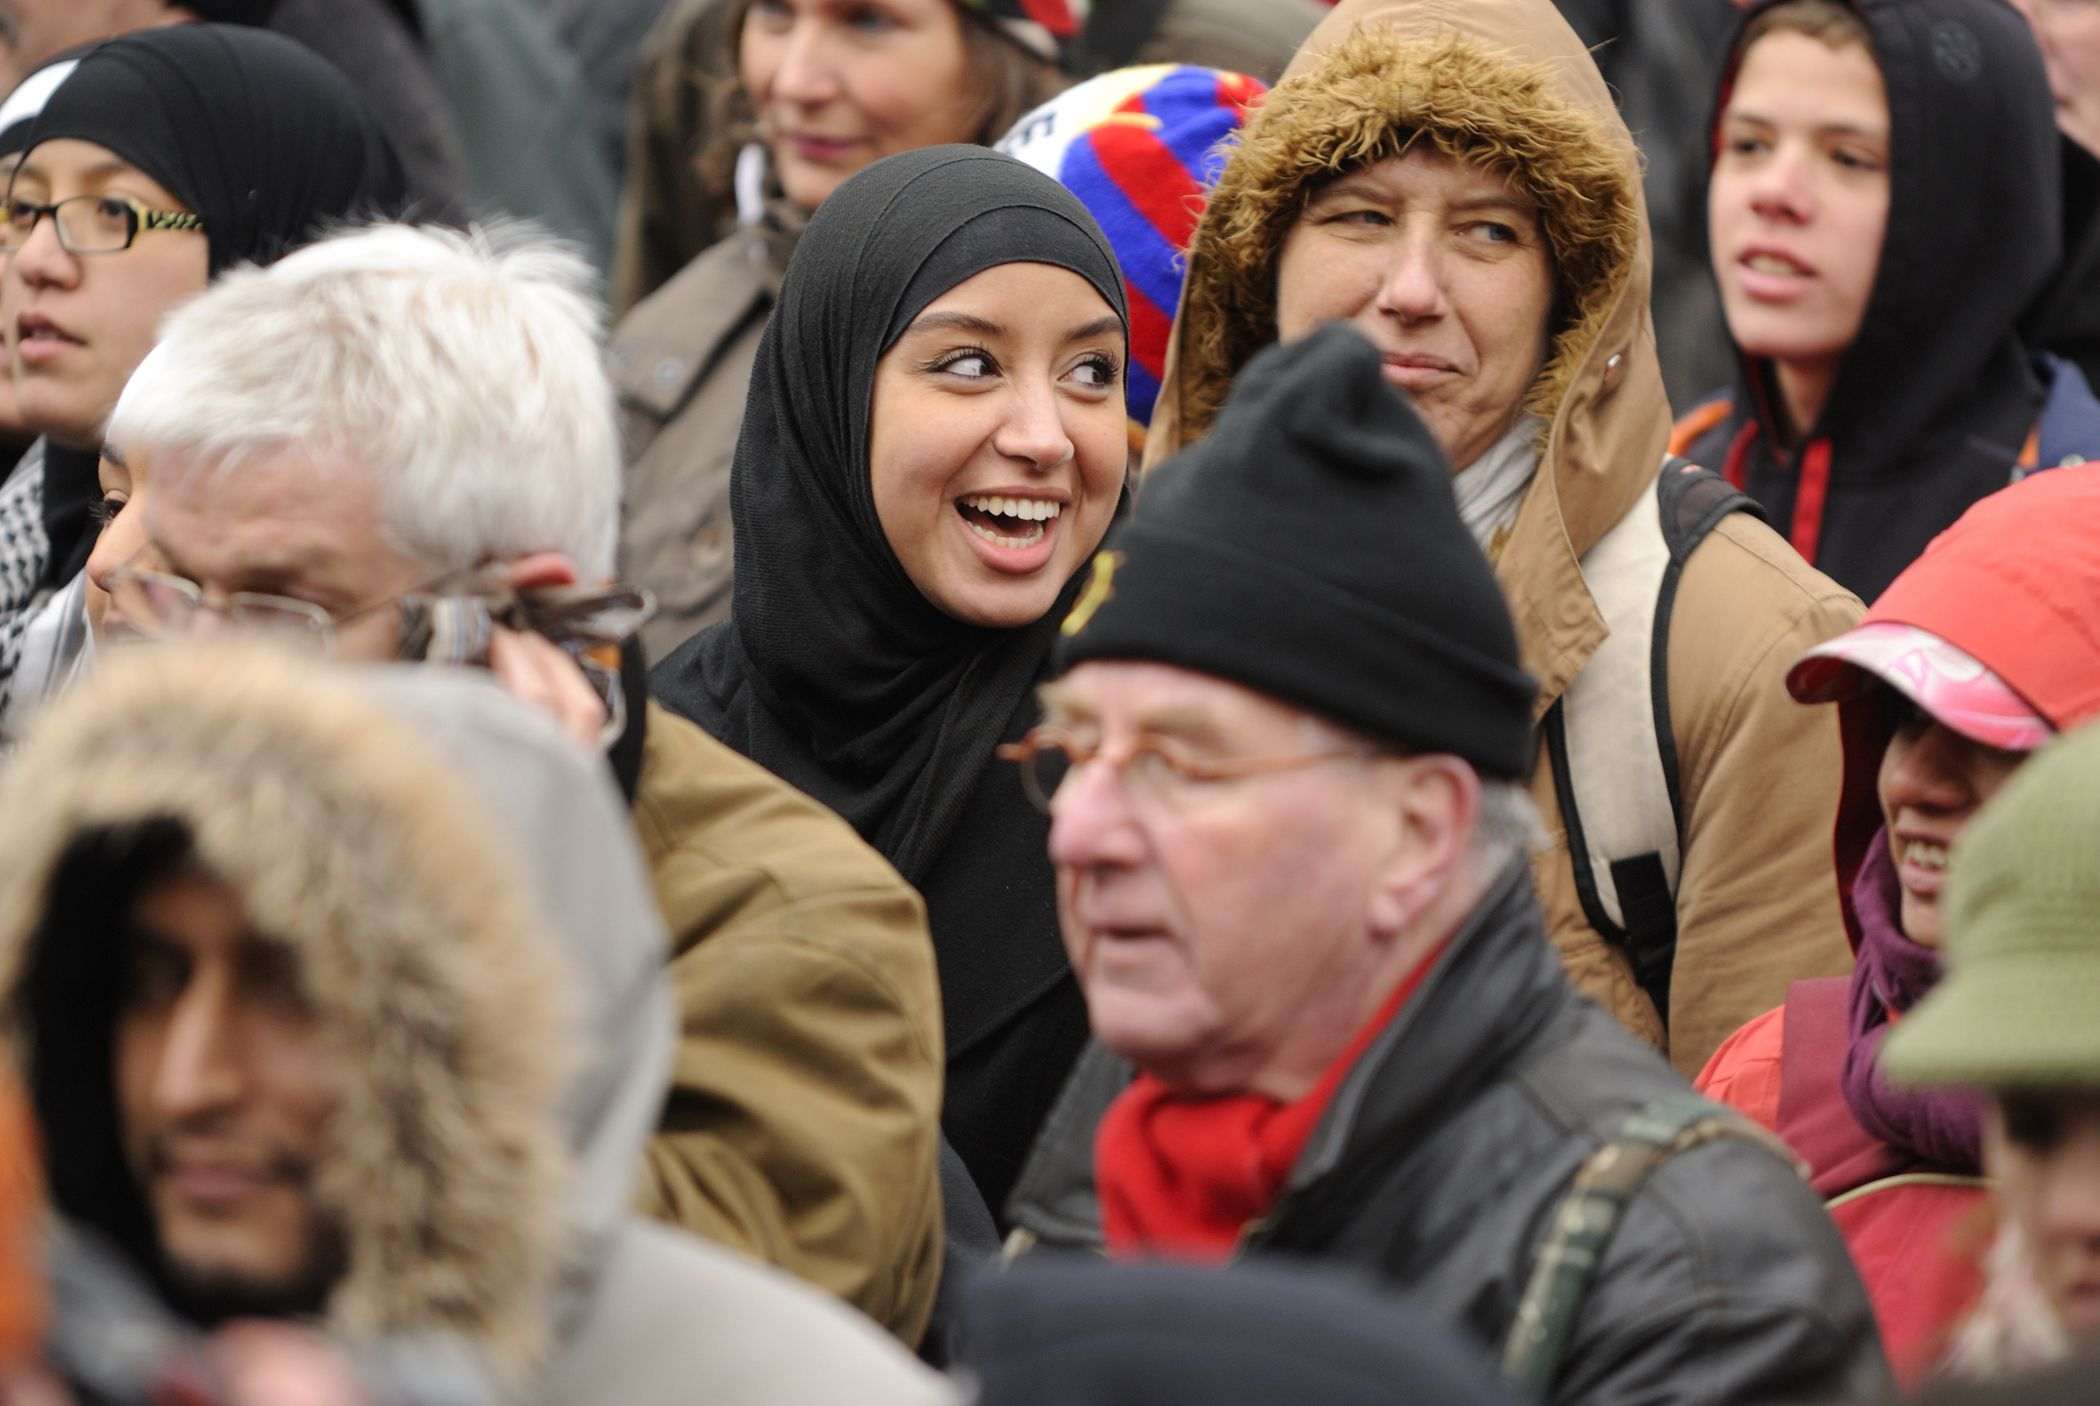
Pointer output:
341, 997
1451, 177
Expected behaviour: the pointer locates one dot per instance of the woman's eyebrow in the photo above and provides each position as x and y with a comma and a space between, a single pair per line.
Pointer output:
1356, 185
957, 322
1099, 327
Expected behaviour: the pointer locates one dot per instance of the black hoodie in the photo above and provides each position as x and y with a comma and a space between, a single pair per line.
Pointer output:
1933, 403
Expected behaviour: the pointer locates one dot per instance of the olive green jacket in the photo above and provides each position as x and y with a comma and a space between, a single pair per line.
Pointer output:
803, 1122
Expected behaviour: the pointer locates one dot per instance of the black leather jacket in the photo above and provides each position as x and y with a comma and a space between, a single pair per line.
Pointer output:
1447, 1149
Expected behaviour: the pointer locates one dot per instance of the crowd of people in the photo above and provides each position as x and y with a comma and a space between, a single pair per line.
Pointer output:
1148, 701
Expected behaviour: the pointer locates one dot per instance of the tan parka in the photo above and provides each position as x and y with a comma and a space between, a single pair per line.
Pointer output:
1508, 83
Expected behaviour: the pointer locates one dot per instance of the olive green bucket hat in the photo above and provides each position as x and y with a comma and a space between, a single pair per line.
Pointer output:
2019, 1006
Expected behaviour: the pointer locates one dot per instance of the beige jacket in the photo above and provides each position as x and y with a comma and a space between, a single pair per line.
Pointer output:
804, 1117
681, 367
667, 216
1508, 82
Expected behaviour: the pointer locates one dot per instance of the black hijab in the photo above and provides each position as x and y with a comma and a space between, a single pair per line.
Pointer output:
263, 139
835, 672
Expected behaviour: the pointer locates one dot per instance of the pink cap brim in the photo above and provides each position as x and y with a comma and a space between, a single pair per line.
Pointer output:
1951, 686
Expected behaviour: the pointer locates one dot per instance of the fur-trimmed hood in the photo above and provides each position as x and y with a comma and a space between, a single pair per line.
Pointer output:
1507, 82
466, 901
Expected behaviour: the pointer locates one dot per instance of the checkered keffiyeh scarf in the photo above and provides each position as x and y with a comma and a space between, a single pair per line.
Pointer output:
25, 552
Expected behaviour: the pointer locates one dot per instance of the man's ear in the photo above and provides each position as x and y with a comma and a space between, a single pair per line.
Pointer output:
1435, 799
541, 569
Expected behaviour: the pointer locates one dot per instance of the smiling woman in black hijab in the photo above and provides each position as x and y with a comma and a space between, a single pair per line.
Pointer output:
930, 452
196, 147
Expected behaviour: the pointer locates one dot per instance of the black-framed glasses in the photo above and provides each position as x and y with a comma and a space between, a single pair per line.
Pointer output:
88, 224
1158, 776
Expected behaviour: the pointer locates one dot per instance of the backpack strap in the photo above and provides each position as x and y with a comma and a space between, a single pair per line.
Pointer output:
1115, 32
1609, 737
1582, 1225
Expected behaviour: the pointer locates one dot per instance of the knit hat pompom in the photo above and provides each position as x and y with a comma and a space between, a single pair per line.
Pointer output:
1141, 148
1046, 28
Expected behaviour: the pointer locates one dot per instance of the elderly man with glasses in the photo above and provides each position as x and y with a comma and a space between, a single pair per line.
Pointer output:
1285, 764
399, 444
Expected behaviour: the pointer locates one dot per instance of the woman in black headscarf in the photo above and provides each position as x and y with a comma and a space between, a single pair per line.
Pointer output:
170, 155
929, 454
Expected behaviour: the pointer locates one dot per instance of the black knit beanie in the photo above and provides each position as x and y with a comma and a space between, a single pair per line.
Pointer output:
1310, 548
231, 11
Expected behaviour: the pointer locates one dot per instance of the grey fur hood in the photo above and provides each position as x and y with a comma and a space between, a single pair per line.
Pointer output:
480, 954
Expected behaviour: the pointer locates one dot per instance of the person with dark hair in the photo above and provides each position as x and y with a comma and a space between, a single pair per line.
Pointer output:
678, 202
812, 96
157, 162
1886, 207
1982, 650
937, 416
2011, 1027
340, 999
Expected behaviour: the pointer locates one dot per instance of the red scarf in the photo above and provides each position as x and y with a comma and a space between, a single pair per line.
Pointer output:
1183, 1177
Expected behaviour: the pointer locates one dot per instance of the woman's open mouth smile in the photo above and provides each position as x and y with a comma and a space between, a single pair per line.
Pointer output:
1010, 533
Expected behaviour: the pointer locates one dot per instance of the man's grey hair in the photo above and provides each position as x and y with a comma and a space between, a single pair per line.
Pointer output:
462, 370
1508, 826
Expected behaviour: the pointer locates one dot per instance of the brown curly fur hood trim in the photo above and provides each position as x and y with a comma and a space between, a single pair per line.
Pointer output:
1373, 96
435, 981
1508, 83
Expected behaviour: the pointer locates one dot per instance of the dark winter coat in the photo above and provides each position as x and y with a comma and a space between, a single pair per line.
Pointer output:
1450, 1144
1933, 401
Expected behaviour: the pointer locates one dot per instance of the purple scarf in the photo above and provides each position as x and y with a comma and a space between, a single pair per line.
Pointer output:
1893, 974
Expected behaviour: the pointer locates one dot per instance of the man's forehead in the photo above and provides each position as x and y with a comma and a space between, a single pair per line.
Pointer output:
1149, 694
192, 908
276, 508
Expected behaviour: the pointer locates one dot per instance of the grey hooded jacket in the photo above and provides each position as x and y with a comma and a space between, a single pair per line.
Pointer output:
489, 957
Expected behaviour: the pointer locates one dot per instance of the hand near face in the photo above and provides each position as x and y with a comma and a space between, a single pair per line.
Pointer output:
538, 672
274, 1364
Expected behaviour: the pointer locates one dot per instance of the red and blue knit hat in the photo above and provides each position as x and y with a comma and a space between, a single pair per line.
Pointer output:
1046, 28
1141, 148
